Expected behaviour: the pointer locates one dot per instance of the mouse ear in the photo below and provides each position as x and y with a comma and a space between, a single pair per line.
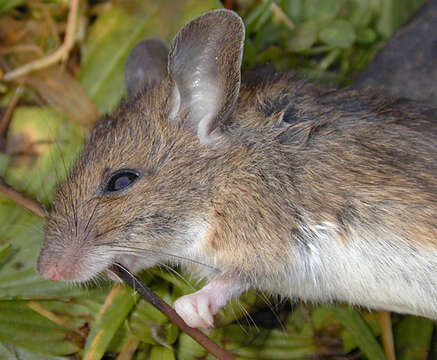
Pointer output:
146, 65
204, 64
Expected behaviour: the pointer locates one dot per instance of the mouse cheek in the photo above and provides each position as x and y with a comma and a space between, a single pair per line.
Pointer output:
136, 263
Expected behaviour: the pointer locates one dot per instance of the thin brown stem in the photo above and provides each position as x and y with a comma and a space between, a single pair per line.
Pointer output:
4, 122
387, 335
60, 54
70, 32
21, 199
168, 311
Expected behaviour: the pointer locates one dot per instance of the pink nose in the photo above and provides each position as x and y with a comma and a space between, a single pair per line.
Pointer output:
52, 273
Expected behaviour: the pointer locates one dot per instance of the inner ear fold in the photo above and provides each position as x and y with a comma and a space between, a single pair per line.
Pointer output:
146, 65
204, 63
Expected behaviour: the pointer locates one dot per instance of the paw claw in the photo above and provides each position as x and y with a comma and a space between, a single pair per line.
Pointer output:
195, 309
198, 309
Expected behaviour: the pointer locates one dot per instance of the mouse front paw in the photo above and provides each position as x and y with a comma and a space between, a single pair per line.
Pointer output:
197, 309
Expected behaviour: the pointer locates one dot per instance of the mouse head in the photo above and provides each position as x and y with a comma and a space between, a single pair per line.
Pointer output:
141, 185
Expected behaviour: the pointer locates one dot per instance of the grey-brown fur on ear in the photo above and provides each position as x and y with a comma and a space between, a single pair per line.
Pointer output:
146, 65
204, 63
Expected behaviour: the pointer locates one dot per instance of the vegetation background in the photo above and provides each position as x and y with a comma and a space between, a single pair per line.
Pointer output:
45, 116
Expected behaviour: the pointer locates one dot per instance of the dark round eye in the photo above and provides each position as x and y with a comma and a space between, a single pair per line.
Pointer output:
121, 179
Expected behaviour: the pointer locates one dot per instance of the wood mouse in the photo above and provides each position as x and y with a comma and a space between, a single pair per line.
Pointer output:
268, 183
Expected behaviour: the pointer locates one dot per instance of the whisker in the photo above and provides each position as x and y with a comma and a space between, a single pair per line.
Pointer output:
89, 220
115, 275
238, 319
247, 316
108, 231
177, 274
99, 279
70, 195
273, 309
129, 273
64, 201
61, 155
139, 251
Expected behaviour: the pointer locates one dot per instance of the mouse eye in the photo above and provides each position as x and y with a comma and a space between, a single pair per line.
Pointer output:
121, 179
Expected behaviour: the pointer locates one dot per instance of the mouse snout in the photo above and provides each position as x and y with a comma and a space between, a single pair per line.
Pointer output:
75, 262
72, 268
55, 269
52, 273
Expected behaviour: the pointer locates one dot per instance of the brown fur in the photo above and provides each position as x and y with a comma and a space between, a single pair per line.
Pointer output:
283, 168
339, 166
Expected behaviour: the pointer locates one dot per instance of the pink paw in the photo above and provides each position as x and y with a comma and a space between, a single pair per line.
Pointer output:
197, 309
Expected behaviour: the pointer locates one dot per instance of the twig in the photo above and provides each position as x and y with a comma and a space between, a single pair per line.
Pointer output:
71, 28
36, 65
387, 335
60, 54
21, 199
168, 311
4, 122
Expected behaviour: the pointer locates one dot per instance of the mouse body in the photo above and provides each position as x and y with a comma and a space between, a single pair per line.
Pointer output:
269, 183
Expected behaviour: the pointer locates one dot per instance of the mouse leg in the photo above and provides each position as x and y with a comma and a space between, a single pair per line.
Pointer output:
199, 308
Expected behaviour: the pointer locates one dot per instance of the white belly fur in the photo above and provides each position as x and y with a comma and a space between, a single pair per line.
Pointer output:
379, 273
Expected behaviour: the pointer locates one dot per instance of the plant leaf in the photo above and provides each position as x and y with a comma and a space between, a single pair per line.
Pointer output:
338, 33
363, 335
118, 304
413, 338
